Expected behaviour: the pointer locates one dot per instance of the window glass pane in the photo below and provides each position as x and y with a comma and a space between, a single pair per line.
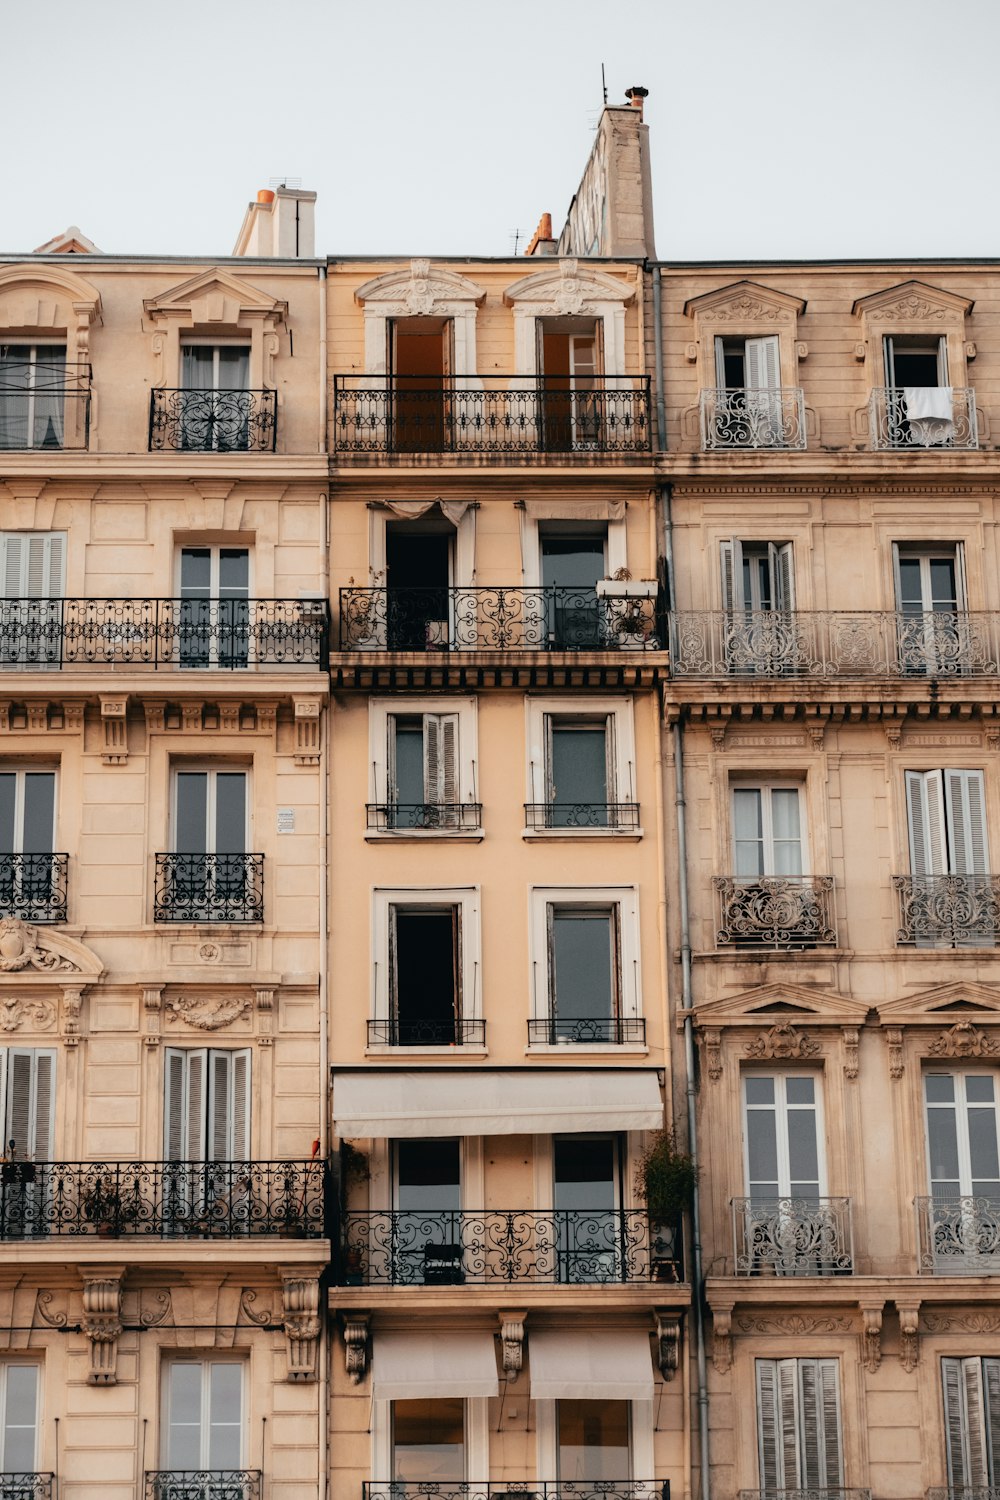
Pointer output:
428, 1175
192, 811
39, 797
748, 832
910, 591
184, 1435
8, 789
579, 771
196, 571
225, 1450
593, 1440
803, 1153
582, 952
762, 1152
978, 1088
19, 1447
428, 1439
197, 367
940, 1088
230, 812
585, 1172
983, 1147
234, 368
800, 1090
942, 1145
409, 761
234, 571
573, 562
943, 594
759, 1090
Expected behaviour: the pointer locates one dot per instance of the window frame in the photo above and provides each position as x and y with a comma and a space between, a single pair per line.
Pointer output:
7, 1053
768, 785
621, 757
466, 901
7, 1364
203, 1364
381, 713
19, 770
800, 1480
213, 769
625, 899
781, 1112
959, 1107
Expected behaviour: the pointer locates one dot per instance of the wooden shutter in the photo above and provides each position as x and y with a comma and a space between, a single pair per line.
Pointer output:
441, 779
784, 578
763, 366
991, 1382
720, 363
965, 1421
778, 1424
13, 554
30, 1102
240, 1142
184, 1103
732, 574
219, 1105
925, 817
33, 564
821, 1462
965, 799
19, 1109
173, 1094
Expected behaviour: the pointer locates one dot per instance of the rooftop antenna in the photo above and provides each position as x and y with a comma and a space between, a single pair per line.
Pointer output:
284, 182
516, 235
604, 87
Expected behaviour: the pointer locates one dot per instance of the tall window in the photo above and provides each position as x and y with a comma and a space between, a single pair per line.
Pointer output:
214, 624
593, 1439
587, 1196
570, 362
748, 364
207, 1104
32, 566
767, 831
18, 1418
215, 367
215, 380
204, 1415
757, 576
584, 971
423, 771
781, 1136
425, 974
748, 410
798, 1424
32, 395
971, 1421
27, 1101
28, 880
580, 762
963, 1156
572, 562
428, 1439
915, 360
946, 815
427, 1225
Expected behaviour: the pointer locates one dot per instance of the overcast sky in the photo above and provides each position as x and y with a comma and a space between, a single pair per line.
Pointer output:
778, 127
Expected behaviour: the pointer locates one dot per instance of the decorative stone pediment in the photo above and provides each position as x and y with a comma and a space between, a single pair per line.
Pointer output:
776, 1003
567, 288
746, 305
944, 1005
419, 291
49, 299
914, 302
30, 953
214, 298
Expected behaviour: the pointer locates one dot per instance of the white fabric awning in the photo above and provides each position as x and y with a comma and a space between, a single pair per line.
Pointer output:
575, 510
577, 1365
394, 1103
410, 1365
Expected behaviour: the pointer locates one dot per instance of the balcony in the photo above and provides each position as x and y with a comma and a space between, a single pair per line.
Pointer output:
958, 1236
453, 1032
767, 418
186, 634
432, 817
499, 1247
781, 911
166, 1199
209, 888
953, 424
616, 817
203, 1484
808, 1492
548, 617
793, 1236
35, 400
963, 1492
948, 911
609, 1031
834, 644
25, 1486
499, 415
33, 886
517, 1489
212, 421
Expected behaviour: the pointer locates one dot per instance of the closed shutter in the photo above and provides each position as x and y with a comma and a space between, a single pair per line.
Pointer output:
18, 1419
441, 782
966, 804
777, 1423
174, 1132
763, 366
964, 1422
732, 574
29, 1102
820, 1407
184, 1103
784, 578
925, 817
788, 1422
228, 1105
13, 556
33, 564
798, 1424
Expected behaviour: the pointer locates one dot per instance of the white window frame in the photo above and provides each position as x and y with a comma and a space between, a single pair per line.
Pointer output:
203, 1364
911, 340
381, 712
618, 713
462, 538
22, 1364
202, 341
19, 771
925, 553
640, 1438
766, 786
782, 1112
53, 564
781, 559
615, 546
959, 1107
477, 1437
626, 900
212, 770
466, 900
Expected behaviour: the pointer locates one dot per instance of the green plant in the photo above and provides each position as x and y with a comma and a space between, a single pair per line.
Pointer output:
665, 1177
353, 1163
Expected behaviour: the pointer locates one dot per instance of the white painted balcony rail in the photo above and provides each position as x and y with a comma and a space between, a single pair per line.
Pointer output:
769, 418
834, 643
892, 425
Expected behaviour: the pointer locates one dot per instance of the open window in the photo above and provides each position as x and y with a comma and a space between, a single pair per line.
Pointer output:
428, 1441
420, 361
587, 1203
419, 566
32, 884
427, 1212
426, 969
585, 968
423, 768
27, 1117
32, 587
573, 557
934, 633
570, 362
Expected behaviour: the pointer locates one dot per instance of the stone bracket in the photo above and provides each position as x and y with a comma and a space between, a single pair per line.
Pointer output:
357, 1339
300, 1304
909, 1338
722, 1338
101, 1322
113, 718
307, 731
668, 1341
871, 1334
512, 1342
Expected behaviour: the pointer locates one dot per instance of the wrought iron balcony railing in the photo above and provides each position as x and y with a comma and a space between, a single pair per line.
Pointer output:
620, 817
737, 418
227, 634
496, 1246
36, 397
496, 414
203, 1484
808, 1492
615, 1031
844, 643
890, 424
33, 886
546, 618
166, 1199
441, 817
25, 1485
406, 1032
948, 911
958, 1236
209, 888
779, 911
793, 1236
213, 421
515, 1489
963, 1492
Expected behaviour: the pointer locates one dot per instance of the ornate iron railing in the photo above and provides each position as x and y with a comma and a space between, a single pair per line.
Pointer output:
398, 817
192, 633
35, 400
209, 888
780, 911
808, 1492
545, 618
33, 886
958, 1236
464, 1247
737, 418
963, 1492
203, 1484
621, 817
169, 1199
957, 911
891, 426
456, 1032
515, 1489
844, 643
213, 421
25, 1486
498, 414
615, 1031
793, 1236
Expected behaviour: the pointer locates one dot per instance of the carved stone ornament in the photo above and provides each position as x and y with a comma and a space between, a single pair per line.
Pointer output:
357, 1333
964, 1040
871, 1336
101, 1322
722, 1338
24, 947
782, 1041
909, 1336
300, 1303
15, 1012
910, 309
512, 1342
894, 1038
797, 1324
668, 1343
747, 309
977, 1322
208, 1013
713, 1054
850, 1035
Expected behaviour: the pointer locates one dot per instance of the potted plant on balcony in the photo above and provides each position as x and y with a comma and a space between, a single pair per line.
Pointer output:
628, 612
665, 1179
110, 1205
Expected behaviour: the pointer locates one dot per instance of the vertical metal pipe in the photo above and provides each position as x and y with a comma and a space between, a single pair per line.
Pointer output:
661, 410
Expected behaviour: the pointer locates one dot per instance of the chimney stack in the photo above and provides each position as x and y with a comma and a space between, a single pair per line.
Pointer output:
635, 95
542, 241
280, 224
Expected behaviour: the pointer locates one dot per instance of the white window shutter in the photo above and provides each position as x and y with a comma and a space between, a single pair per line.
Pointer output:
196, 1084
449, 758
828, 1386
43, 1123
20, 1100
788, 1423
925, 816
173, 1100
966, 803
975, 1422
219, 1105
13, 558
720, 363
784, 577
769, 1449
441, 759
732, 574
991, 1382
763, 366
55, 564
240, 1143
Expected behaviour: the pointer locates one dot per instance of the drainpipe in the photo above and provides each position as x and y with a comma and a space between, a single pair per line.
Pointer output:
661, 411
325, 1351
322, 359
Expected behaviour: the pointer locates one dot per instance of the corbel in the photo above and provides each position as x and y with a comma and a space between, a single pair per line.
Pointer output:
73, 709
668, 1341
893, 732
512, 1342
801, 349
300, 1304
191, 717
101, 1322
38, 715
357, 1336
267, 716
909, 1338
307, 731
72, 1005
970, 351
264, 1002
155, 710
229, 716
4, 716
113, 718
713, 1054
850, 1036
871, 1334
152, 1005
860, 353
722, 1338
691, 353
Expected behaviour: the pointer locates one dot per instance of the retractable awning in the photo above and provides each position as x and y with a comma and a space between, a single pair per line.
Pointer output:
410, 1365
393, 1103
600, 1365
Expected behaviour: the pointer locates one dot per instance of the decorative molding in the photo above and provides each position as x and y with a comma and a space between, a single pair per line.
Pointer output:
851, 1037
300, 1304
262, 1319
894, 1041
208, 1013
909, 1337
512, 1342
722, 1338
668, 1342
101, 1322
113, 717
155, 1317
72, 1009
871, 1335
357, 1333
57, 1319
713, 1053
797, 1324
15, 1012
977, 1322
782, 1041
307, 731
25, 947
745, 302
964, 1040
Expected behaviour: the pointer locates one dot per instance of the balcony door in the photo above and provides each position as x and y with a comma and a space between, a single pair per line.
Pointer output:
579, 765
971, 1389
27, 833
934, 632
572, 562
427, 1218
570, 363
758, 600
584, 944
32, 395
419, 564
209, 874
767, 832
27, 1114
215, 381
32, 572
587, 1200
203, 1424
748, 404
799, 1424
18, 1422
423, 771
963, 1143
420, 363
782, 1224
593, 1440
425, 966
428, 1442
919, 402
946, 818
214, 615
206, 1138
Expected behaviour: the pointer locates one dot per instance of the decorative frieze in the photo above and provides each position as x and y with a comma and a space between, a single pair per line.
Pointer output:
208, 1012
964, 1040
17, 1012
782, 1041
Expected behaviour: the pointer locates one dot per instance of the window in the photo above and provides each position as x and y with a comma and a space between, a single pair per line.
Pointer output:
214, 623
798, 1424
593, 1441
27, 1102
426, 969
32, 395
203, 1427
781, 1136
757, 576
420, 362
747, 364
423, 768
919, 361
428, 1440
427, 1221
210, 876
19, 1399
587, 1204
767, 832
207, 1105
748, 405
572, 562
31, 884
216, 399
569, 358
971, 1422
581, 768
32, 566
933, 632
920, 404
946, 817
419, 566
963, 1159
215, 367
586, 970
